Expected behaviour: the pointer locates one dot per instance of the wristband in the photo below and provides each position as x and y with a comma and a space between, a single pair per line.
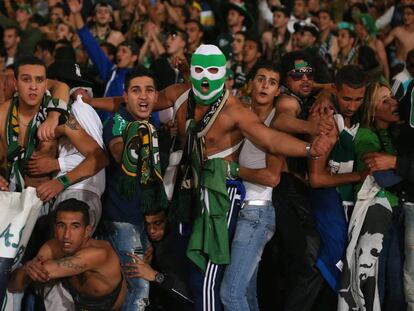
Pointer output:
64, 181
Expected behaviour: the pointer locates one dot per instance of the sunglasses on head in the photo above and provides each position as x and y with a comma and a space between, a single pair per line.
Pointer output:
298, 74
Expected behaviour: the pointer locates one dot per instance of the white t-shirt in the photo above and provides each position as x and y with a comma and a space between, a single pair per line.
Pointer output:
70, 157
253, 157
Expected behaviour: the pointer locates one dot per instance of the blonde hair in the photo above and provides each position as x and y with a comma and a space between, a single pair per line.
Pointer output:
371, 103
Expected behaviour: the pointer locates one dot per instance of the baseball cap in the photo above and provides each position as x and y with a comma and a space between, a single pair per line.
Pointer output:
368, 22
280, 8
25, 7
294, 60
303, 26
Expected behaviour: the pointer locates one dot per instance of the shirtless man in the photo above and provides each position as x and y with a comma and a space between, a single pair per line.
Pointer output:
89, 268
403, 35
217, 150
22, 116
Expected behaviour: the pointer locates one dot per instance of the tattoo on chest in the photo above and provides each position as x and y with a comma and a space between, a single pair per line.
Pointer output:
72, 123
67, 262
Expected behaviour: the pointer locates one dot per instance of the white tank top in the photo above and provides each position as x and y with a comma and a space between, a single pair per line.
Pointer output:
253, 157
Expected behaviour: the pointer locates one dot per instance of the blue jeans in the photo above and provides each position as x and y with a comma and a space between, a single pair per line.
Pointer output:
255, 227
409, 255
128, 238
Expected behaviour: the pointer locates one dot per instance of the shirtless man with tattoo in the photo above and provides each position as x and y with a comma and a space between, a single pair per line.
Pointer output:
88, 268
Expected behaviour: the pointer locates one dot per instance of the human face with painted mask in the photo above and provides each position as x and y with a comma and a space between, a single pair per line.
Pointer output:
208, 74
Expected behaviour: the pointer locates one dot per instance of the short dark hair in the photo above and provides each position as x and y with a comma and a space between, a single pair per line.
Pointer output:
268, 65
16, 29
65, 52
199, 25
27, 60
46, 45
329, 12
409, 6
110, 47
367, 58
155, 212
138, 71
351, 75
410, 55
241, 32
254, 38
75, 206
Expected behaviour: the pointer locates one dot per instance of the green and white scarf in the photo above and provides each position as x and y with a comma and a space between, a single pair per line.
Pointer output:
342, 157
140, 163
17, 154
193, 157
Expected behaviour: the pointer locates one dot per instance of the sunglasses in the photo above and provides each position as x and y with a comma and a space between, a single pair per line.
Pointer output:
298, 74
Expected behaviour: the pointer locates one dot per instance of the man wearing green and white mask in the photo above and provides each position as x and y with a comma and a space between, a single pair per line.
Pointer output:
212, 125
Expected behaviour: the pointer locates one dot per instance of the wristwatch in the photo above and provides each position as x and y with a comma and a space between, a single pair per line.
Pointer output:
159, 278
308, 152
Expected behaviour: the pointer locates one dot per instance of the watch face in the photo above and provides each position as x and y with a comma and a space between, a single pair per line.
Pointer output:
159, 278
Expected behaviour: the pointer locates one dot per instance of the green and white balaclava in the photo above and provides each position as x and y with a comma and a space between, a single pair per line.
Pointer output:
205, 58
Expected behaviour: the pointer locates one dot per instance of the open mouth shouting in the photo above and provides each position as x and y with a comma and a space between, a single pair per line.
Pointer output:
143, 106
205, 86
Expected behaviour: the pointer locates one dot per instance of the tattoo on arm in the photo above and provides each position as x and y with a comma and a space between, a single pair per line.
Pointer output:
72, 123
66, 262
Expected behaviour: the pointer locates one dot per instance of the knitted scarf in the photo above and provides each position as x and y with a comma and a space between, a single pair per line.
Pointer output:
193, 157
17, 154
140, 164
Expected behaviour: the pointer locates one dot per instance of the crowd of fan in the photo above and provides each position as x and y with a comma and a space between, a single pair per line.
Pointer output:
312, 237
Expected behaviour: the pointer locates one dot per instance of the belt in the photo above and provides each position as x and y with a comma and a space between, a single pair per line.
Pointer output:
256, 203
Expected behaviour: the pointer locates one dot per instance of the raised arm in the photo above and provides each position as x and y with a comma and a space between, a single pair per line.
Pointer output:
319, 175
168, 96
110, 104
287, 121
390, 38
98, 57
274, 141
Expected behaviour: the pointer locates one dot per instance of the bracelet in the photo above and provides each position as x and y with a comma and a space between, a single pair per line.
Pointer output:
308, 152
64, 180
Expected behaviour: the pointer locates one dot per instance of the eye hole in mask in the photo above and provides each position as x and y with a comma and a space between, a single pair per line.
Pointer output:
213, 70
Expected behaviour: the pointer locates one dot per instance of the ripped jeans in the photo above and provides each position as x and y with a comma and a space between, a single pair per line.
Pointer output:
128, 238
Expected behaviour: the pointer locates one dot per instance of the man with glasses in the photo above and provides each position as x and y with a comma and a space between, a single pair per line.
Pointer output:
297, 233
293, 105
